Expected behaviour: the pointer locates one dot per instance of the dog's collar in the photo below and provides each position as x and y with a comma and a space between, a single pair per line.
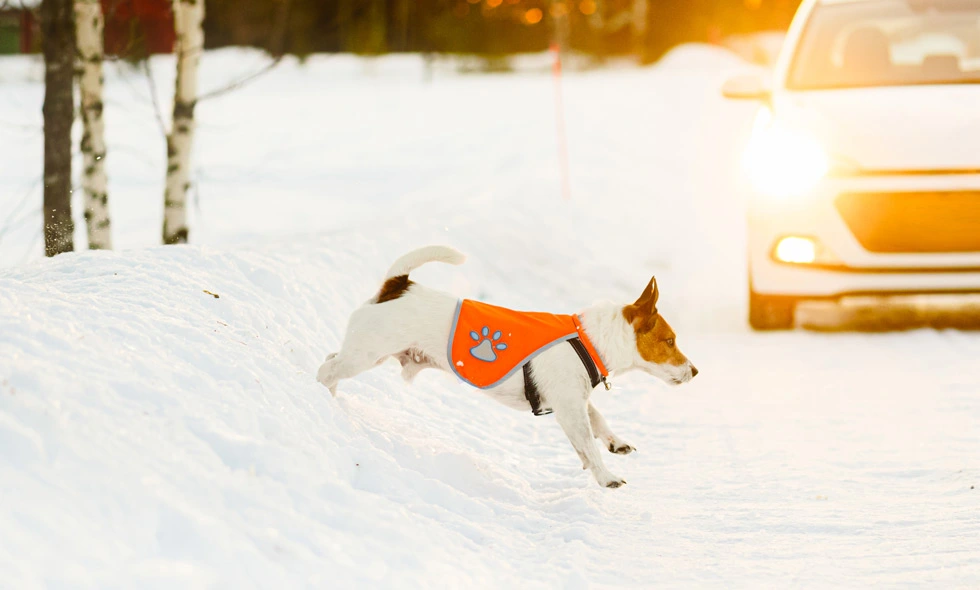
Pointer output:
589, 356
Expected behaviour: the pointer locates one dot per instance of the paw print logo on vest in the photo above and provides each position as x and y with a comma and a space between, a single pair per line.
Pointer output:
487, 345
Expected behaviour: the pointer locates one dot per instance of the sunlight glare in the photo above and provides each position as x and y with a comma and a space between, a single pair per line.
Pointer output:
783, 163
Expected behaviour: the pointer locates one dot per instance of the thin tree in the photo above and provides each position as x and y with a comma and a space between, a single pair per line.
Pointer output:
58, 43
89, 24
188, 47
639, 27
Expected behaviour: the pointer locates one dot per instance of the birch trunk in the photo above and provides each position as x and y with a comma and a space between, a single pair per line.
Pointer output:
377, 34
639, 21
188, 47
58, 42
88, 32
404, 18
345, 24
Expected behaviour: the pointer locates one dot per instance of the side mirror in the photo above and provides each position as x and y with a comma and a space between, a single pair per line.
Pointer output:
746, 87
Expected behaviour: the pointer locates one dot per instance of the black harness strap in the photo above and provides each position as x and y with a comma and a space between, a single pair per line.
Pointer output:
531, 390
531, 393
594, 377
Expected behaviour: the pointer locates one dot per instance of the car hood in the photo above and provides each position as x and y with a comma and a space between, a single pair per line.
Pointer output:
895, 128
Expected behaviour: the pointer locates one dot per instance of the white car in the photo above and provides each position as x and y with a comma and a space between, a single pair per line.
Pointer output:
864, 161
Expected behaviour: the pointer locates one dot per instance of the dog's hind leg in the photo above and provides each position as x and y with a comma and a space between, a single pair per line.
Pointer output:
369, 340
344, 365
413, 361
573, 417
328, 373
602, 432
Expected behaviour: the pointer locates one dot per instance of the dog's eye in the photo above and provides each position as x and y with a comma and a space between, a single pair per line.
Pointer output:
670, 342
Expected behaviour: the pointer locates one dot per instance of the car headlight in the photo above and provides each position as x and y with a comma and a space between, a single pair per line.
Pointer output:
781, 162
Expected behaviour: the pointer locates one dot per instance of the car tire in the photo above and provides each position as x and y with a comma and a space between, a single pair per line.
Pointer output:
771, 312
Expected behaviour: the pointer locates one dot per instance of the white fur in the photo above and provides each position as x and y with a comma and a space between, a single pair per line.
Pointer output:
417, 258
415, 329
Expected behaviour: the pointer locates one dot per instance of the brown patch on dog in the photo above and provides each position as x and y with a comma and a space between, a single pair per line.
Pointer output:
394, 288
657, 345
655, 339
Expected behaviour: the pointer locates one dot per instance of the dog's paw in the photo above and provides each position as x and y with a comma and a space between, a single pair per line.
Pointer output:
610, 481
620, 448
613, 482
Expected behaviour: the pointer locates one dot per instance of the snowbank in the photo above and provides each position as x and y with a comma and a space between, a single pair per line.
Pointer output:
154, 435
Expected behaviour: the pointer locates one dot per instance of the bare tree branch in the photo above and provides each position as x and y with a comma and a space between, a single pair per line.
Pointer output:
276, 47
153, 97
241, 82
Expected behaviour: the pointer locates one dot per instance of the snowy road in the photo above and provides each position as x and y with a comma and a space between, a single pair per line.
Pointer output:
152, 435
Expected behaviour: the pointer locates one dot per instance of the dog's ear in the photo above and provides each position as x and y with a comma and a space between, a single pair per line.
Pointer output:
648, 300
645, 307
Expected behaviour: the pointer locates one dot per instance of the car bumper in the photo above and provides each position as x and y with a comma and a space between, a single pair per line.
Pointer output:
848, 267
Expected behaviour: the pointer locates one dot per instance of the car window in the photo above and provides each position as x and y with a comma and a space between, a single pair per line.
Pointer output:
888, 43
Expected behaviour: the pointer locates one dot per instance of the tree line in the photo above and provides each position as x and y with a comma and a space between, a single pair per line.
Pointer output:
72, 39
601, 27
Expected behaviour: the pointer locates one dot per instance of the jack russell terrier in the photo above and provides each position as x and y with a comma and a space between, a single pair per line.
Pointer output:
515, 357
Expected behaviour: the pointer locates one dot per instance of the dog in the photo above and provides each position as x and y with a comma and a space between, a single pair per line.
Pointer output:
416, 325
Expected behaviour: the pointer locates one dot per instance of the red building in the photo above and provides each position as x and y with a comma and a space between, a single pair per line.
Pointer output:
133, 28
138, 27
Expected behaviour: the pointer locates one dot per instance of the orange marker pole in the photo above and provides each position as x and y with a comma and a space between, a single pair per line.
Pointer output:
566, 190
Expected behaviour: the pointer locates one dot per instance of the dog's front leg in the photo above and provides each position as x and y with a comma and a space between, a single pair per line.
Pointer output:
573, 417
602, 432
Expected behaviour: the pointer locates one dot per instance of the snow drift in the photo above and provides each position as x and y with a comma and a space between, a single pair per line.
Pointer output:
160, 425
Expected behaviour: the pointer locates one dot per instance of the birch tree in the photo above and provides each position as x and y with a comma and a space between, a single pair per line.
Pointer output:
89, 23
640, 10
188, 47
58, 43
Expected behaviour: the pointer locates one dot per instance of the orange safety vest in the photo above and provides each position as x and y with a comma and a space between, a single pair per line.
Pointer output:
488, 344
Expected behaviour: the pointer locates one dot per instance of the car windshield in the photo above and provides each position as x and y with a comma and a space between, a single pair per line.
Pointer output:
888, 43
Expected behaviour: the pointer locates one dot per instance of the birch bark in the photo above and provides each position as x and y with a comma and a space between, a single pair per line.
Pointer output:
89, 24
188, 47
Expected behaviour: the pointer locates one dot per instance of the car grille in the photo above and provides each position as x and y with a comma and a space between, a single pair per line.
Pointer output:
917, 222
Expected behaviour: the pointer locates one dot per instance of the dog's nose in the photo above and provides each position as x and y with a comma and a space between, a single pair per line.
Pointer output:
694, 371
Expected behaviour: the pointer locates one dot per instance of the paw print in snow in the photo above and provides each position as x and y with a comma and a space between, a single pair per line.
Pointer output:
484, 351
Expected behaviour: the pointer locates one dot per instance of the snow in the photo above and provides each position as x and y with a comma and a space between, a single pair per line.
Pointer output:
154, 435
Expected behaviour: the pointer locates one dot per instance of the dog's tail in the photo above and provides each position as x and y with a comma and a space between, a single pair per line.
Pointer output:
417, 258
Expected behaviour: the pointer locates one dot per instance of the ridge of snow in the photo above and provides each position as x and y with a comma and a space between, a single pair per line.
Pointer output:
152, 435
